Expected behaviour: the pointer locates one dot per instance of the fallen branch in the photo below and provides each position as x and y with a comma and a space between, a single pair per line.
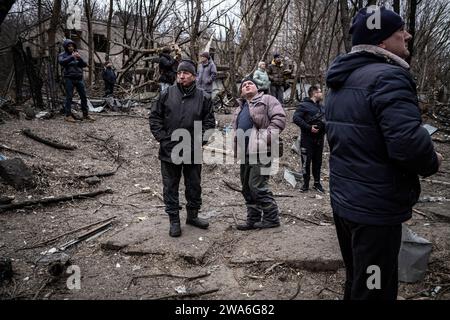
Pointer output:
53, 144
300, 218
420, 213
85, 236
298, 289
189, 278
232, 186
49, 200
186, 295
437, 182
101, 174
43, 243
2, 146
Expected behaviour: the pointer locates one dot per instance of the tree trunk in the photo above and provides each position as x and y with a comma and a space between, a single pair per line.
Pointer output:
88, 12
108, 30
345, 24
412, 27
396, 6
54, 23
194, 46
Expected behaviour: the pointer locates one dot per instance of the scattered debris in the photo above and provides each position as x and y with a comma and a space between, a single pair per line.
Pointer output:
186, 295
433, 199
413, 256
50, 143
49, 200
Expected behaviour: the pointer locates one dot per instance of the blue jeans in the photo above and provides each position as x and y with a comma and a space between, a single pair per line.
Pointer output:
79, 85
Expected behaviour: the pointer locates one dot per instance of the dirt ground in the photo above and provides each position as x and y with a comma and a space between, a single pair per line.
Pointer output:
114, 273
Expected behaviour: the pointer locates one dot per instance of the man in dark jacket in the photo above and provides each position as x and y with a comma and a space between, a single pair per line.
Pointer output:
276, 72
377, 150
167, 69
73, 65
180, 109
309, 116
109, 77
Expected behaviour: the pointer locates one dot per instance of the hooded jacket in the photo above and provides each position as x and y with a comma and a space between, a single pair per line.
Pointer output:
206, 75
377, 145
73, 68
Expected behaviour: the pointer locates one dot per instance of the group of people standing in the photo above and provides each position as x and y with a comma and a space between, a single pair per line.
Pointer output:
371, 118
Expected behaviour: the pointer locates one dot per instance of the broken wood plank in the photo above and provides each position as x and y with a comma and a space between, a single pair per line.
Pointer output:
50, 143
49, 200
4, 147
43, 243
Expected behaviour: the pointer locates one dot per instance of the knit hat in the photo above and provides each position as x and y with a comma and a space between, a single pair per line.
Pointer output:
276, 55
245, 80
187, 65
372, 25
205, 54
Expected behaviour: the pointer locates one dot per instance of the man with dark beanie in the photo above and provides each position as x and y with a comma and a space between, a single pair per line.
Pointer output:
378, 148
178, 109
257, 122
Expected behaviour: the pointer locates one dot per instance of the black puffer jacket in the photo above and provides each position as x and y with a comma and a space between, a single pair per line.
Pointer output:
309, 113
177, 110
73, 68
377, 145
167, 68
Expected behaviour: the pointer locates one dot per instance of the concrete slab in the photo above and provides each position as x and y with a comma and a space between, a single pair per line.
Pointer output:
152, 237
310, 248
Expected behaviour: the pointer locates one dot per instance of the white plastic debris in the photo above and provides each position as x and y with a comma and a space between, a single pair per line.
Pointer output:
117, 265
200, 239
181, 289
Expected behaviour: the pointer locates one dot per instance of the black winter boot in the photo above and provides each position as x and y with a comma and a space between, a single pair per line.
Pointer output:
253, 216
305, 186
270, 217
175, 227
194, 220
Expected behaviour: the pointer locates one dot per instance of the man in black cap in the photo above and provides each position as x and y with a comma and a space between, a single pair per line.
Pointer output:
179, 108
378, 149
167, 69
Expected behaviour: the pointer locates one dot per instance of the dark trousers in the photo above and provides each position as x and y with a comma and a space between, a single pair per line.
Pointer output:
79, 85
311, 150
277, 92
363, 246
258, 197
109, 88
171, 175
